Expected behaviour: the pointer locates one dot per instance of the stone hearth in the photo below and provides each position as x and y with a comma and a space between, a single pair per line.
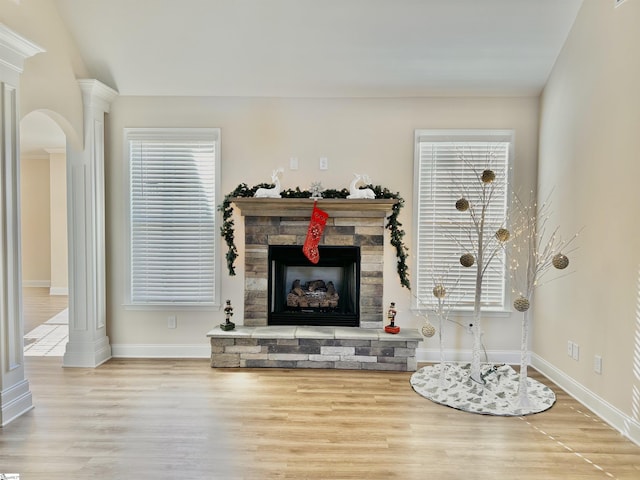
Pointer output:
314, 347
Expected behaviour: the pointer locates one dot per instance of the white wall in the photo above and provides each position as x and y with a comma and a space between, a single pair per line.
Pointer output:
373, 136
589, 155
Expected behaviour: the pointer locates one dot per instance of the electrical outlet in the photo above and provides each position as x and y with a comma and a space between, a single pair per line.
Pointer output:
576, 352
293, 163
324, 163
597, 364
172, 321
570, 348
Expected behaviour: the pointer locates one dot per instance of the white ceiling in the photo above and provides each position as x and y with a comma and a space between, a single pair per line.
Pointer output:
312, 48
320, 48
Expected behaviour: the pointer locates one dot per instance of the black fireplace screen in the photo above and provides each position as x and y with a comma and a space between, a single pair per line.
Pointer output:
303, 293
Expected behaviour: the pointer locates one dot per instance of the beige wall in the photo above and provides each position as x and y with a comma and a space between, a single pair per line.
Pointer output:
43, 219
36, 239
58, 220
589, 155
49, 81
373, 136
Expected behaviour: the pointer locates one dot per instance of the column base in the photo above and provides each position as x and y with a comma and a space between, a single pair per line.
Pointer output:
15, 401
87, 354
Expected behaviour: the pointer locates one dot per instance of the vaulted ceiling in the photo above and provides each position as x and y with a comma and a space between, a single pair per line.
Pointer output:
313, 48
320, 48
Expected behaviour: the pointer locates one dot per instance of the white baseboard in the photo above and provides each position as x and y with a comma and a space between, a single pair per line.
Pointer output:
36, 283
59, 291
431, 355
160, 351
626, 425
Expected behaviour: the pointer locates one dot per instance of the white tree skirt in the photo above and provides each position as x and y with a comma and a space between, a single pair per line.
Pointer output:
497, 396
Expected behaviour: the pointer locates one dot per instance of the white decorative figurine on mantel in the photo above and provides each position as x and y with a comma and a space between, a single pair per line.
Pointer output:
355, 192
273, 192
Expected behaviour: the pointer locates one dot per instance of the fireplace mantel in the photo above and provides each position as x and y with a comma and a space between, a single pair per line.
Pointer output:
335, 207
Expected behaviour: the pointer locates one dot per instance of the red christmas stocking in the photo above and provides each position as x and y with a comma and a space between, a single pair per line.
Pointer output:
314, 233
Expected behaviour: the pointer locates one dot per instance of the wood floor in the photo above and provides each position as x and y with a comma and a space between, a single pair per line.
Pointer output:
181, 419
38, 306
170, 419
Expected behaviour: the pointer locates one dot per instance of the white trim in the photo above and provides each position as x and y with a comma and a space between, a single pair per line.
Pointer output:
160, 351
56, 150
36, 283
432, 355
14, 49
624, 424
59, 291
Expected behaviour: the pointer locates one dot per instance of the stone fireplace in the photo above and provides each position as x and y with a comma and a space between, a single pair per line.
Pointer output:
283, 222
298, 315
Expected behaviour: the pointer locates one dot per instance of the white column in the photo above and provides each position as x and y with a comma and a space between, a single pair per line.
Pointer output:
88, 344
15, 396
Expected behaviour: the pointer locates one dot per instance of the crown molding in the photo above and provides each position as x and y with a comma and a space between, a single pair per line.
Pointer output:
96, 93
14, 49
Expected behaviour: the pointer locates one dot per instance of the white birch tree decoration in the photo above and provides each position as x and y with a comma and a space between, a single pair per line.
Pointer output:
440, 304
540, 249
486, 235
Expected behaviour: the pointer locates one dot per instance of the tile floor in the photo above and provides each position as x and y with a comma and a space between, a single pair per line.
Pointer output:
50, 338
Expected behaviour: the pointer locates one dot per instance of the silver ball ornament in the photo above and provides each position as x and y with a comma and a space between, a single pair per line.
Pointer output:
560, 261
462, 204
503, 234
521, 304
439, 291
467, 260
428, 330
488, 176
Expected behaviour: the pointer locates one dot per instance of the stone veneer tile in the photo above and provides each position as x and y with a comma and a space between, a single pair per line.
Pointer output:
288, 356
349, 365
282, 240
242, 349
337, 351
255, 322
359, 358
368, 240
324, 358
259, 284
312, 364
228, 360
340, 240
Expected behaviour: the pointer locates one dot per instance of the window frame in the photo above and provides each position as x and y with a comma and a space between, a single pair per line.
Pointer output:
462, 136
172, 134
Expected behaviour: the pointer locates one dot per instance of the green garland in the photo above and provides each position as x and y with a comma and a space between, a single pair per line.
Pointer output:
242, 190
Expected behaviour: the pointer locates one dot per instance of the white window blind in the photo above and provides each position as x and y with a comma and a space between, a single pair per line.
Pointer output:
448, 165
173, 178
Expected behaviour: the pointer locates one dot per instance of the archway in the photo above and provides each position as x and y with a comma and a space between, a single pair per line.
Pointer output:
44, 245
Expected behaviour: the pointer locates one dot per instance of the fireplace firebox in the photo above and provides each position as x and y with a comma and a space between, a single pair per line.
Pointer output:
303, 293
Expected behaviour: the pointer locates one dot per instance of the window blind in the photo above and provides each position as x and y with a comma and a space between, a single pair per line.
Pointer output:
448, 168
172, 217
